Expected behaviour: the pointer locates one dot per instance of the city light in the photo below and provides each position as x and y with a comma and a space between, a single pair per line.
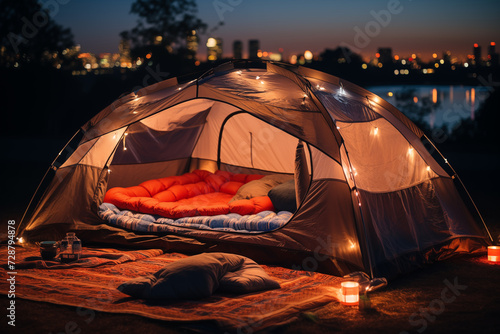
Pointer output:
308, 55
211, 42
434, 95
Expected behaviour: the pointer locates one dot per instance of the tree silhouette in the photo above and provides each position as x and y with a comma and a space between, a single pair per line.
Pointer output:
28, 35
164, 23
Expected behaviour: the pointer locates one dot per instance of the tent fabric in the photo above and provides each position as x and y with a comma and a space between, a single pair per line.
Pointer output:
375, 200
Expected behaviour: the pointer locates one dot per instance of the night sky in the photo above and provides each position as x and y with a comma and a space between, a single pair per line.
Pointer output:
414, 26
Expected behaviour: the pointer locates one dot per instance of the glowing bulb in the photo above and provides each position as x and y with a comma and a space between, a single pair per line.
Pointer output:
410, 150
262, 82
21, 240
124, 148
257, 77
375, 131
308, 55
428, 168
211, 42
109, 171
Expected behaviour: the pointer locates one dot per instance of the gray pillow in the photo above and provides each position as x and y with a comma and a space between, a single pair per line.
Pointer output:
283, 197
193, 277
249, 278
199, 276
261, 187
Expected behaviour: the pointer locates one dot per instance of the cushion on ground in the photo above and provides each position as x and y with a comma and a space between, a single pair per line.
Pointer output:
199, 276
249, 278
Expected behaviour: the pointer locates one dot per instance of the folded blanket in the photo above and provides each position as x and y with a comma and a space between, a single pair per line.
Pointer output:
89, 259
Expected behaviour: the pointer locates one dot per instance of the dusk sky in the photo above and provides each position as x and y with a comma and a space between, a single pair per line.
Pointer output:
414, 26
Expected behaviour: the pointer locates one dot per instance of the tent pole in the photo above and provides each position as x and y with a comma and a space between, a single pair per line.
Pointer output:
367, 243
463, 186
51, 167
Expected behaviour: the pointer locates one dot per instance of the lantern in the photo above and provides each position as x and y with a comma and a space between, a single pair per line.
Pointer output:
494, 253
350, 293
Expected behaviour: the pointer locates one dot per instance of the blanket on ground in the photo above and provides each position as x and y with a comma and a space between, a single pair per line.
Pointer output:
139, 222
95, 288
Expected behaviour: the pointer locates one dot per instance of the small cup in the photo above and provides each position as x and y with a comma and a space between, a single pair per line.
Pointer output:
48, 250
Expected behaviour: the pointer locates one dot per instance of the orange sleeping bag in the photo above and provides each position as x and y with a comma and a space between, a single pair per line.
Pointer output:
200, 193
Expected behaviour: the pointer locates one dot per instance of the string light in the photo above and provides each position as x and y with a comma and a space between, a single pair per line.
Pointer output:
125, 136
341, 89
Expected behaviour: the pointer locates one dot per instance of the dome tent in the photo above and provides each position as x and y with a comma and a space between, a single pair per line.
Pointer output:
376, 200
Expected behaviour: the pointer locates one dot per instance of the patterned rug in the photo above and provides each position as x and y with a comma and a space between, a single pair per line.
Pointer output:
92, 283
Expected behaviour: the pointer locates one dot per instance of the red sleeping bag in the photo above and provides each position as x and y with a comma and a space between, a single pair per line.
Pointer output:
200, 193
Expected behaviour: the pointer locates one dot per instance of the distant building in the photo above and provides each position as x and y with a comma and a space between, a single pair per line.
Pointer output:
192, 43
385, 55
493, 57
253, 48
125, 58
89, 61
237, 50
214, 49
447, 57
477, 54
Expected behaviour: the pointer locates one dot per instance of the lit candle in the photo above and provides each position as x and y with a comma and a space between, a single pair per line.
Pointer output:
350, 293
494, 253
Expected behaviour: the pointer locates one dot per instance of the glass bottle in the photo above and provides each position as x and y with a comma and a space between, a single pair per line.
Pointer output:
71, 248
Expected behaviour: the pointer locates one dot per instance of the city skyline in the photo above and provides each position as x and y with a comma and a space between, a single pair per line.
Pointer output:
408, 27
